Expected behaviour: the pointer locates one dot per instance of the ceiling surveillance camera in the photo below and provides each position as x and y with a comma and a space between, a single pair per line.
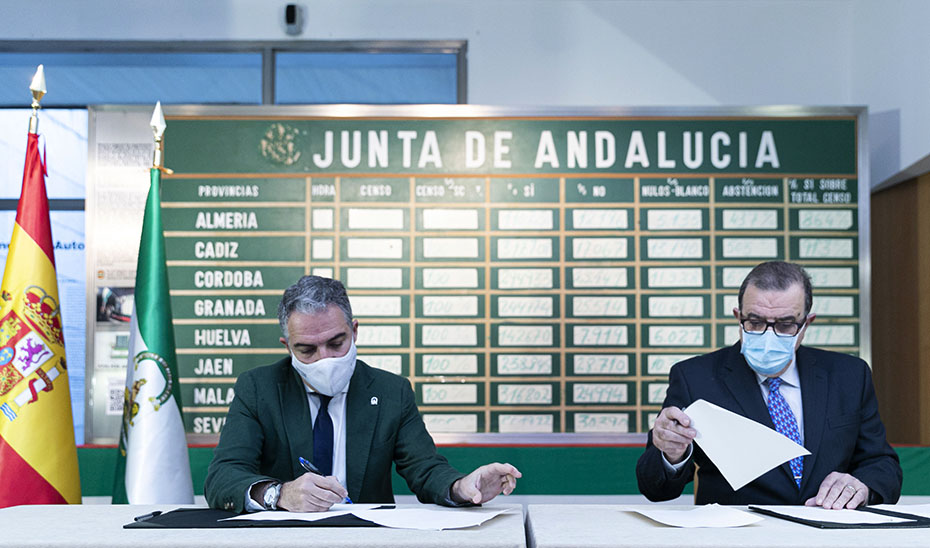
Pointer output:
293, 19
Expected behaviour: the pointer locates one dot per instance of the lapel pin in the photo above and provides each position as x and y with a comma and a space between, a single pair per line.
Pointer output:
374, 400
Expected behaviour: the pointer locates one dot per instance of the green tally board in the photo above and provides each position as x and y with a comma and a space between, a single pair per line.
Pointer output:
527, 274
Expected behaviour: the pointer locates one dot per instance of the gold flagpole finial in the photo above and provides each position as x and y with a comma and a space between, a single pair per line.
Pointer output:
38, 91
158, 129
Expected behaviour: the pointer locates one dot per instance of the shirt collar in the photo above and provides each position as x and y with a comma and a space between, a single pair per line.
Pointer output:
789, 377
312, 391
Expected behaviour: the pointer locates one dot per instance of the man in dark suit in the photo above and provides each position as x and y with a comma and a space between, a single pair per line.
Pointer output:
353, 420
829, 393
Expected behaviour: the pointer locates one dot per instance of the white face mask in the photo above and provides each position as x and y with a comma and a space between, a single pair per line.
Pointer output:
767, 353
328, 376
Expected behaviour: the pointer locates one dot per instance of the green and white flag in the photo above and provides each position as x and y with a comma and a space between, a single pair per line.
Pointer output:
152, 466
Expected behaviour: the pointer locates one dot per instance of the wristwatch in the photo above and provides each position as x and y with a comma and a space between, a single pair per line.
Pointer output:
271, 496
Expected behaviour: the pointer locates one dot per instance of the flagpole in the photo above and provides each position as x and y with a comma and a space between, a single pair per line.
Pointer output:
158, 129
38, 91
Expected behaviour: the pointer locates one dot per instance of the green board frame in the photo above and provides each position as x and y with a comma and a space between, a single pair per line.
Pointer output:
465, 233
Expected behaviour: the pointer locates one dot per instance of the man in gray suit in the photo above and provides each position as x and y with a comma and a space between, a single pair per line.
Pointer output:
363, 419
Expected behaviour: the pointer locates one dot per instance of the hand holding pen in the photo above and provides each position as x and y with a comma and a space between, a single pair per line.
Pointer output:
309, 467
311, 492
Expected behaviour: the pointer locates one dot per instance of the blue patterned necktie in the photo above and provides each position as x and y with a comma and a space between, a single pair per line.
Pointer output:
786, 424
323, 437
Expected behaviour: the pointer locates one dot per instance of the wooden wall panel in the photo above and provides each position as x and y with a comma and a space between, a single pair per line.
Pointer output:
900, 218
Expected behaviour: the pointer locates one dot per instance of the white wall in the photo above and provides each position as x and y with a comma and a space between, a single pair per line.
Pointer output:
590, 52
892, 75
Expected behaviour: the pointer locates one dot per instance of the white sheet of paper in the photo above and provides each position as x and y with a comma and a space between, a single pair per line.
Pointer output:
430, 518
741, 448
817, 513
711, 515
914, 509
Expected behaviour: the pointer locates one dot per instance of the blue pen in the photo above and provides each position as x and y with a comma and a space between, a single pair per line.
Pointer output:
309, 467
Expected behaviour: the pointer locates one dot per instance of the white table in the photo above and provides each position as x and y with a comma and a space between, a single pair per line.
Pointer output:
592, 526
101, 526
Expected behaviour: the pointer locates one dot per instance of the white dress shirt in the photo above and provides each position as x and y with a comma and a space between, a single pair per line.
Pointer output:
337, 412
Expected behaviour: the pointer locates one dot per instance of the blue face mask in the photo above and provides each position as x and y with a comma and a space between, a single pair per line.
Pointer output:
767, 353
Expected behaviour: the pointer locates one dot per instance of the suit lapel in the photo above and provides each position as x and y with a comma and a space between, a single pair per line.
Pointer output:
361, 417
814, 388
298, 426
743, 385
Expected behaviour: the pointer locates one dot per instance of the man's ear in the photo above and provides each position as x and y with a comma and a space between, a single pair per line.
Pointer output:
737, 315
284, 342
355, 330
810, 320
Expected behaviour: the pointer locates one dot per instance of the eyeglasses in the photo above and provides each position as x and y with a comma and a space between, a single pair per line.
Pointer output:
781, 328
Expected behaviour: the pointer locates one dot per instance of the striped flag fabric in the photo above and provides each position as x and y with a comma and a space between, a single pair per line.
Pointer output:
153, 466
38, 457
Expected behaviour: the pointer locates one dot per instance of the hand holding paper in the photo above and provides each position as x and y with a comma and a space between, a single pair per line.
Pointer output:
741, 448
672, 434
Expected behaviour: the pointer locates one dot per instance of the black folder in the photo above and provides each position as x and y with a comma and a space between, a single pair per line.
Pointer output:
914, 521
208, 518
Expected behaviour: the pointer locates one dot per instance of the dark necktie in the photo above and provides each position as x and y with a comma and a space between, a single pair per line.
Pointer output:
786, 424
323, 437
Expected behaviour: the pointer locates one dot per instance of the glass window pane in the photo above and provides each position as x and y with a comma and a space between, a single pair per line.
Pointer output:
128, 78
378, 78
62, 136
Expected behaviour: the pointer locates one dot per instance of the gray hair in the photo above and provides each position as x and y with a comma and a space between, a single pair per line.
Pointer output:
312, 294
779, 276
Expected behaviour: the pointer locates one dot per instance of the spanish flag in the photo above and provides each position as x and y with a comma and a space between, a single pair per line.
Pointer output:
38, 459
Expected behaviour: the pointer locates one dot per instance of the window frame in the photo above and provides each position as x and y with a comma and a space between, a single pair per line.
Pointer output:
267, 48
